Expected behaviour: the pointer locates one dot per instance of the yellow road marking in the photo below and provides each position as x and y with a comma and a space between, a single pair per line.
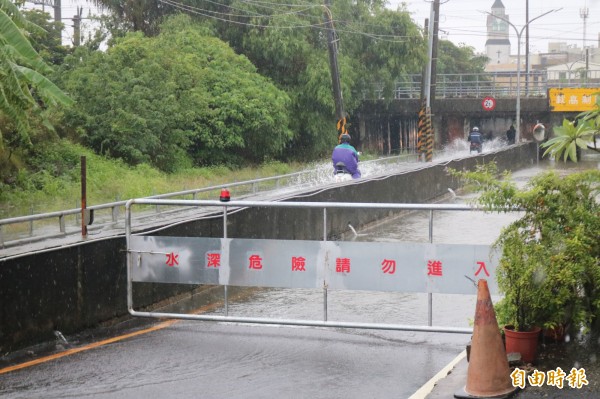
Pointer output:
73, 351
85, 348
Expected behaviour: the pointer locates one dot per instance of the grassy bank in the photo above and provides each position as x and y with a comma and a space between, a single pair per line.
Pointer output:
55, 185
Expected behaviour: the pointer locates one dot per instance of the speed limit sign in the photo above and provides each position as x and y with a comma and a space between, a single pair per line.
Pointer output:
488, 103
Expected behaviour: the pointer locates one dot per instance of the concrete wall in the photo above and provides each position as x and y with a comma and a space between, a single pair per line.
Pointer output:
75, 288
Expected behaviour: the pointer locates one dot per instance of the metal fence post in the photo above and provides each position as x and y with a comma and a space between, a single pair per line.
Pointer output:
115, 210
430, 295
225, 290
324, 284
31, 222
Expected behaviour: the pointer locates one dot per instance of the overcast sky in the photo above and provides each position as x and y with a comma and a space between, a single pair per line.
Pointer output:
463, 21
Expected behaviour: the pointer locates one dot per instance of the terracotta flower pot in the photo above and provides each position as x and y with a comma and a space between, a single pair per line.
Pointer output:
523, 342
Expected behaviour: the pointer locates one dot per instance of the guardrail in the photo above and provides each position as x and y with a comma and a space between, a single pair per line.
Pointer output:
496, 84
31, 228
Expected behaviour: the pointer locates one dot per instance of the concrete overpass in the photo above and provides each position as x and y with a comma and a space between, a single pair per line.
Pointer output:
389, 126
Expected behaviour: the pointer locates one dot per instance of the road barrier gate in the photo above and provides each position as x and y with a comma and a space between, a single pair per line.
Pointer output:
327, 265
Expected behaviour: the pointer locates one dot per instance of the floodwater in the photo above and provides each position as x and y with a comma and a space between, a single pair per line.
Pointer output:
321, 173
191, 359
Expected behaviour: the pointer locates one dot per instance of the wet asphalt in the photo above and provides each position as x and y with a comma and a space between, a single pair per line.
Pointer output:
221, 360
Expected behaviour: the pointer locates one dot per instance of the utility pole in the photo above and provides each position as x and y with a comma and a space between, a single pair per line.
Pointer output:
55, 4
434, 49
526, 48
587, 63
584, 13
77, 27
57, 11
427, 90
423, 122
425, 70
332, 42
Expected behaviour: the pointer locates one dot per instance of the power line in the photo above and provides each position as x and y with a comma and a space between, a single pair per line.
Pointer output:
319, 25
206, 13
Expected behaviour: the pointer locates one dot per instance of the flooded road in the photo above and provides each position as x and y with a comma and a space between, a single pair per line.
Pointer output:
190, 359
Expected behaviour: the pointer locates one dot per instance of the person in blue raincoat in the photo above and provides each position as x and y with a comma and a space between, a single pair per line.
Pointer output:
476, 139
345, 157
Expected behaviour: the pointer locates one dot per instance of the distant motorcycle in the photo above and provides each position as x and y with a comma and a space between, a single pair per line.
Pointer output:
340, 173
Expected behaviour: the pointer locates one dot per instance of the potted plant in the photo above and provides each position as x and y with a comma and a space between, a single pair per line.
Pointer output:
549, 269
537, 293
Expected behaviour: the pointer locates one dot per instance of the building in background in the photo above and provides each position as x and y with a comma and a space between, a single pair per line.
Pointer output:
497, 45
561, 54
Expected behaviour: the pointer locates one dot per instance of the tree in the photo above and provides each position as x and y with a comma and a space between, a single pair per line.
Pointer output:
179, 99
47, 40
459, 59
143, 16
27, 96
288, 43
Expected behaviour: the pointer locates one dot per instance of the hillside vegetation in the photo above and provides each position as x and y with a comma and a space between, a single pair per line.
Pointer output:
159, 98
55, 183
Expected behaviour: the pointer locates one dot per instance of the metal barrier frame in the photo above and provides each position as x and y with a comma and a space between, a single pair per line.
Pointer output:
289, 322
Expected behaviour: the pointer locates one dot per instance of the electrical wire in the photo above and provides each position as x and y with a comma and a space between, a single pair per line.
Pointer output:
204, 13
245, 12
319, 25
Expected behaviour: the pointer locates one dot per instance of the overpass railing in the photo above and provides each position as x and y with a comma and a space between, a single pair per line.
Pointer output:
495, 84
304, 264
25, 229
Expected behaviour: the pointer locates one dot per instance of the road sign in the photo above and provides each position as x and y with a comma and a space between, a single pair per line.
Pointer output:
367, 266
488, 103
572, 99
341, 126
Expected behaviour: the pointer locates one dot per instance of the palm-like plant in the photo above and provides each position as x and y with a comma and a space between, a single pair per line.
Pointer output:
23, 86
582, 133
593, 117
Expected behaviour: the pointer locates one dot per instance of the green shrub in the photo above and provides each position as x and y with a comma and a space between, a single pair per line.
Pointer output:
549, 272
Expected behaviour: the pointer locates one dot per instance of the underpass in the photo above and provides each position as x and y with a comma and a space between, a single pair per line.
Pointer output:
399, 345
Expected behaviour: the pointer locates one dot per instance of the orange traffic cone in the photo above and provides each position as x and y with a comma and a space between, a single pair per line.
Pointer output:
488, 375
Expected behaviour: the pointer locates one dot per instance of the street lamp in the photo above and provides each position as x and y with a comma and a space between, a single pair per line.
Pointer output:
519, 33
570, 66
569, 70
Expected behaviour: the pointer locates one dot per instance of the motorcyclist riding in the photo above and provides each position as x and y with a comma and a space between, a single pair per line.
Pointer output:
476, 139
345, 158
